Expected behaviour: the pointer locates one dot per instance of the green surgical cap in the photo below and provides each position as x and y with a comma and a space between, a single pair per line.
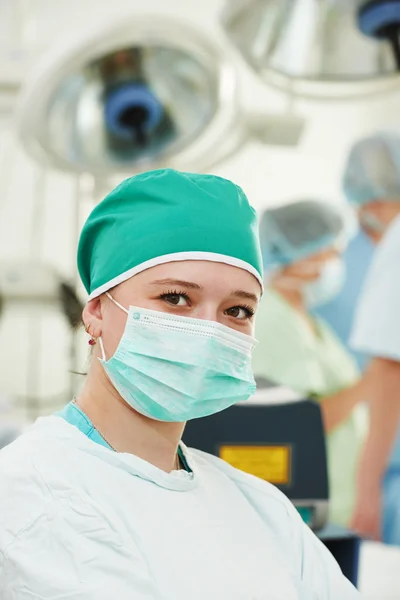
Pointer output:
165, 216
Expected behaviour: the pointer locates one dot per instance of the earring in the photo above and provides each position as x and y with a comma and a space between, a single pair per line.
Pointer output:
92, 341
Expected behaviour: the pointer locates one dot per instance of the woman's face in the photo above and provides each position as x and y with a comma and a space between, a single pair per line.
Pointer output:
199, 289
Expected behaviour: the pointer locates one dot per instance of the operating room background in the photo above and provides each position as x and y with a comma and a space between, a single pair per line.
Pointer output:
41, 208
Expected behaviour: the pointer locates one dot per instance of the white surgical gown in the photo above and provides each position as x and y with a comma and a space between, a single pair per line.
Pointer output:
80, 522
376, 331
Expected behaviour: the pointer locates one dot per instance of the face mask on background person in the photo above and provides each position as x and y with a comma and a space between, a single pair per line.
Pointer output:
328, 284
371, 222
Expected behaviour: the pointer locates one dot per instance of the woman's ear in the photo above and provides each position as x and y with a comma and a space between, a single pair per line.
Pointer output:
93, 318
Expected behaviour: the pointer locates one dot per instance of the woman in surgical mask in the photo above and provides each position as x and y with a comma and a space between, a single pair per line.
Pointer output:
103, 499
302, 244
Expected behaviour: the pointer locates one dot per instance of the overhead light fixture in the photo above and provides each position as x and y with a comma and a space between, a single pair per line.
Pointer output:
318, 47
145, 93
139, 94
380, 20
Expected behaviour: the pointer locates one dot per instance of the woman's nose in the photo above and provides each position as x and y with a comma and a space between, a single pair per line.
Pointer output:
207, 313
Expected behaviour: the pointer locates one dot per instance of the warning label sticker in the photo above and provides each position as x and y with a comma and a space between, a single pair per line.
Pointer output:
272, 463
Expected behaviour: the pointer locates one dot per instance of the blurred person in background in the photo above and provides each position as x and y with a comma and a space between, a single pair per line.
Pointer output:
339, 311
302, 245
372, 185
103, 500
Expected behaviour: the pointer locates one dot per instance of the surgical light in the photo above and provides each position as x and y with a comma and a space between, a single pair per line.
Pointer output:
140, 94
333, 48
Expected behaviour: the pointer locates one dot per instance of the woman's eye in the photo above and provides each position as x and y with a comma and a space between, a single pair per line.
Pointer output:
176, 299
240, 312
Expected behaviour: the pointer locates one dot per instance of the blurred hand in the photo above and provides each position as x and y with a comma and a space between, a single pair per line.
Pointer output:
367, 514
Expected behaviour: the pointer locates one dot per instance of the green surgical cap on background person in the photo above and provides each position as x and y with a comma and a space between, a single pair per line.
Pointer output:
166, 216
295, 231
373, 170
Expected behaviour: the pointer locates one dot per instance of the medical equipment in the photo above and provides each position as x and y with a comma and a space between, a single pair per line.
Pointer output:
380, 20
318, 47
139, 94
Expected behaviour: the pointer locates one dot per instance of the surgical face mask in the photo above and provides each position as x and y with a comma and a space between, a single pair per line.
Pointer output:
173, 368
328, 284
371, 222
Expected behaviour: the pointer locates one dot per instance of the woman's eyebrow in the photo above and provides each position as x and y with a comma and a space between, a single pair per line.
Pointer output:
179, 282
245, 295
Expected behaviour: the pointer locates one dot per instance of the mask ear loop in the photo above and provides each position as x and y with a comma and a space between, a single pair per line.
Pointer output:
117, 303
103, 354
